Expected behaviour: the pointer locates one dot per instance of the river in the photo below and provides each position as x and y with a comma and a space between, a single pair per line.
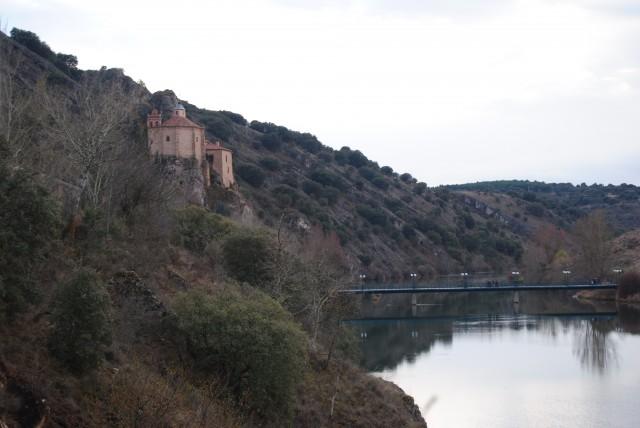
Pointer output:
481, 360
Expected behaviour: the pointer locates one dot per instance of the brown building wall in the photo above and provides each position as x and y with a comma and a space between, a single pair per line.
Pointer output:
183, 142
222, 164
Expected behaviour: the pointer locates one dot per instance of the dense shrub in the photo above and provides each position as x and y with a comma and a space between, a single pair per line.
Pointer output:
469, 222
374, 216
340, 157
235, 117
81, 322
286, 195
380, 183
29, 221
367, 173
252, 343
66, 63
248, 257
307, 141
271, 141
386, 170
420, 188
393, 205
535, 209
218, 124
328, 179
197, 227
406, 177
270, 164
629, 285
357, 159
408, 232
312, 188
251, 174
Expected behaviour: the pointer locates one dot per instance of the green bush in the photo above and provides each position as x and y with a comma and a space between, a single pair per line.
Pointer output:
406, 177
307, 141
217, 124
380, 183
252, 343
29, 222
65, 62
386, 170
81, 322
420, 188
271, 142
629, 285
356, 158
312, 188
248, 257
535, 209
374, 216
251, 174
367, 173
197, 227
270, 164
235, 117
327, 178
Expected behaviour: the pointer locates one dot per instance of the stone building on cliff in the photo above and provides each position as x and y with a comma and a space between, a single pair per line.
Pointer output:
184, 140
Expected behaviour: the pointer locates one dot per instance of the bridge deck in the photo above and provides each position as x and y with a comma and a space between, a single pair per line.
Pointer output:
474, 289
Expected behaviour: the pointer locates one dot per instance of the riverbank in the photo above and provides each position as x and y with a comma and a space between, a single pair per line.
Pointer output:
607, 295
344, 395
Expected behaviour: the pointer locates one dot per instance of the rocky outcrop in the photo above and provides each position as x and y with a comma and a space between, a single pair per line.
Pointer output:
127, 285
490, 212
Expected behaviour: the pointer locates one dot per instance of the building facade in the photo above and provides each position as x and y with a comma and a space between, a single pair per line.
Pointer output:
181, 138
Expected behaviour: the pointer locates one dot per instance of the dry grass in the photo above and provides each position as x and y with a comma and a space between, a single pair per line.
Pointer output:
357, 398
137, 396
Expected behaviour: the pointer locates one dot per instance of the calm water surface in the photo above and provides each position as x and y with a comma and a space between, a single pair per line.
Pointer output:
483, 361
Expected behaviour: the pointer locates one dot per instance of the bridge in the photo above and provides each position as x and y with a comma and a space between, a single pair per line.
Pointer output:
476, 289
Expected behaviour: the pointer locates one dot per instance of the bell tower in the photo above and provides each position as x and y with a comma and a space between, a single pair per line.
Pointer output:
154, 119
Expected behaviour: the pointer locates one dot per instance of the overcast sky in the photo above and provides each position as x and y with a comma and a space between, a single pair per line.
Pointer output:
450, 91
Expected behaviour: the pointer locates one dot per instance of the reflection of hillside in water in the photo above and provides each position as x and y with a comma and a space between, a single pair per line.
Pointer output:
387, 343
395, 331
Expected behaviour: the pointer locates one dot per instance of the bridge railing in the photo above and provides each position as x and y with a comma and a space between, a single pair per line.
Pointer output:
497, 283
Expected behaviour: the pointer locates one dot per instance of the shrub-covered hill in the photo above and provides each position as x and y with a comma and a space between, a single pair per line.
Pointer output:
120, 308
389, 223
562, 203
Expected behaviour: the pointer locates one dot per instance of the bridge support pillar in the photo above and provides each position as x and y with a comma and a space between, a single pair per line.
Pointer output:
516, 297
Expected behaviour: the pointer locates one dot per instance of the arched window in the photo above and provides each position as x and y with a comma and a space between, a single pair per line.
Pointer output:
157, 123
168, 139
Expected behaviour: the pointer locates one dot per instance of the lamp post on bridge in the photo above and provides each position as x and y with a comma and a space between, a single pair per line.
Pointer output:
515, 277
618, 272
413, 277
566, 274
464, 276
362, 278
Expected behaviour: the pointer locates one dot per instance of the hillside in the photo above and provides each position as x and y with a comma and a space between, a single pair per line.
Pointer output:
388, 222
121, 306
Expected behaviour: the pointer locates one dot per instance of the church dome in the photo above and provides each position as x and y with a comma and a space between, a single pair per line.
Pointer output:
179, 107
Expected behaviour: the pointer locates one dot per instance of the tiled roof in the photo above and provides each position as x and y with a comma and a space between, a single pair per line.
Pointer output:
176, 120
211, 146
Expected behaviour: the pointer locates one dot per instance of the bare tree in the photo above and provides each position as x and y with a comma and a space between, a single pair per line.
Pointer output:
17, 103
593, 236
91, 124
326, 272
